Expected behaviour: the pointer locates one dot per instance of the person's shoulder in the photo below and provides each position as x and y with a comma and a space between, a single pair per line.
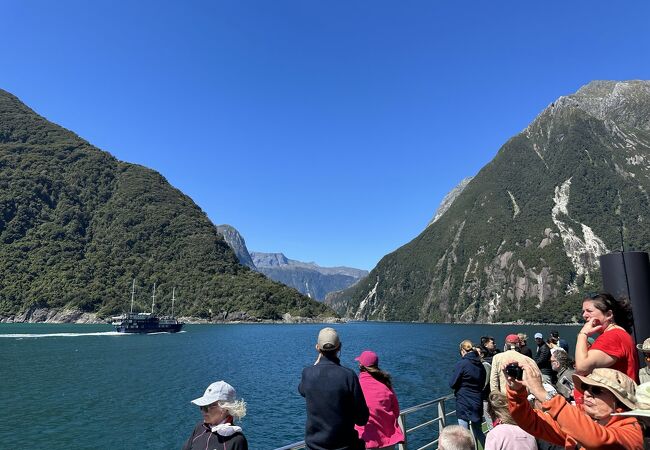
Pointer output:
198, 428
238, 437
521, 357
349, 372
237, 441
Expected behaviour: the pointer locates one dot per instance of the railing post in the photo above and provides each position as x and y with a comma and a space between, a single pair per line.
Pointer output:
442, 418
401, 421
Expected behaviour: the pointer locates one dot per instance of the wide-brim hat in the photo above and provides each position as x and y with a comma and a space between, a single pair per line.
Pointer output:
645, 347
217, 391
619, 384
642, 408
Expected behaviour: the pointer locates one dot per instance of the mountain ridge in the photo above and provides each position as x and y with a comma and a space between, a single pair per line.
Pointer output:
523, 238
77, 226
309, 278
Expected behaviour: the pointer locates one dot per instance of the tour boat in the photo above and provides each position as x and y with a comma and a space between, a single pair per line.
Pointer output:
146, 322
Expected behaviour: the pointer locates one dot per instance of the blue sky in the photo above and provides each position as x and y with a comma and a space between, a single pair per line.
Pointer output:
326, 130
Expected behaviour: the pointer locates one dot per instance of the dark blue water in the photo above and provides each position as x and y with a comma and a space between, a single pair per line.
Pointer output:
88, 388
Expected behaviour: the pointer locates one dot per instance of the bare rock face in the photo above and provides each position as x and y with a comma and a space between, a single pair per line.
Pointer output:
449, 199
237, 243
522, 240
54, 315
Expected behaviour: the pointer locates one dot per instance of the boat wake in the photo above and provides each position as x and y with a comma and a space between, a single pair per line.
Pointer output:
100, 333
43, 335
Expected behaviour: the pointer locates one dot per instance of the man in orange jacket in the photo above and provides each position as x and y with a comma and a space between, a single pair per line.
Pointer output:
590, 426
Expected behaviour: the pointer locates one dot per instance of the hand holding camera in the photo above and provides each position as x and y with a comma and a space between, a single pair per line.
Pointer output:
523, 374
513, 370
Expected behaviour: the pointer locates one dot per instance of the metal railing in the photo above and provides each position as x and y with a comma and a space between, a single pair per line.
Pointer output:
439, 405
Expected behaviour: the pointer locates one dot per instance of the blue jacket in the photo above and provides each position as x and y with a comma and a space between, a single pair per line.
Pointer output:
467, 382
335, 403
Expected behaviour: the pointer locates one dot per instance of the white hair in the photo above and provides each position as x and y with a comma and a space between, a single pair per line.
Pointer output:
455, 437
236, 409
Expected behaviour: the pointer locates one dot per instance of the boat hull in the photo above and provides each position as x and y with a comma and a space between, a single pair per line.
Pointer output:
149, 329
143, 323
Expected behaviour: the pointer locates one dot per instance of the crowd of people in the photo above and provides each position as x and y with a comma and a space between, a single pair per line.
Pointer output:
529, 401
548, 401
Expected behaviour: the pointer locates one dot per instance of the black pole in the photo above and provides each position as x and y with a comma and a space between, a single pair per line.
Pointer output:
628, 274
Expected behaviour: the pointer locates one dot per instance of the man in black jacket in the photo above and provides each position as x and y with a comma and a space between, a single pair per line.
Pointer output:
335, 401
543, 359
488, 349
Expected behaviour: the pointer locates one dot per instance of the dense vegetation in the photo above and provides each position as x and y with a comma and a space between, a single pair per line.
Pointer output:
77, 226
483, 259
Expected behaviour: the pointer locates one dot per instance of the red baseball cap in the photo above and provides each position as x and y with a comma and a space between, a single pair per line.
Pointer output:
512, 338
368, 358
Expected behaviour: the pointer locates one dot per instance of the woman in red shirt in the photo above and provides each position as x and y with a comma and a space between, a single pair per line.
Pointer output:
614, 347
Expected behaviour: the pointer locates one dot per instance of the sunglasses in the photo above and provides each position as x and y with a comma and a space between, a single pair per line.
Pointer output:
594, 390
207, 407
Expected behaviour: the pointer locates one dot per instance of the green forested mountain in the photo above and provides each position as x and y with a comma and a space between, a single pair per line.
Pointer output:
77, 225
522, 240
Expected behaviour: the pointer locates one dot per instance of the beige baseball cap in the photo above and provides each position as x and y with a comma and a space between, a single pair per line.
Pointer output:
328, 339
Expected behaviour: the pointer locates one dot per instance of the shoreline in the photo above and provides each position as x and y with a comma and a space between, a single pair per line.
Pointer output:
68, 316
72, 316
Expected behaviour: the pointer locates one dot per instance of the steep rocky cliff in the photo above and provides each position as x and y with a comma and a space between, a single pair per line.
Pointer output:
237, 243
522, 239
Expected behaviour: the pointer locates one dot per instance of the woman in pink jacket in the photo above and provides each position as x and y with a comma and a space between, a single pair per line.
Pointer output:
382, 430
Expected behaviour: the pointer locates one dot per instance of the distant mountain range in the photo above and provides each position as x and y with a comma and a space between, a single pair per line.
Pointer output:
77, 226
520, 241
308, 278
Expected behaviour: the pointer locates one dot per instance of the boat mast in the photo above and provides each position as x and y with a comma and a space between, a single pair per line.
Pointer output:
153, 297
173, 295
132, 295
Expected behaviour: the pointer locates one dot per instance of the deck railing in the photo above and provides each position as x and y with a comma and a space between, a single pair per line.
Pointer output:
438, 405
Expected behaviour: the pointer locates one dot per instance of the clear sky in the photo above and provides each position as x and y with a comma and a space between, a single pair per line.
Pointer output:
326, 130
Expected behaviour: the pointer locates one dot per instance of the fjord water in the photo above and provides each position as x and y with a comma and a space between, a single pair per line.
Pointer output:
87, 387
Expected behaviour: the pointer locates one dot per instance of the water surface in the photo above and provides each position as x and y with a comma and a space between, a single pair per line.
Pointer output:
87, 387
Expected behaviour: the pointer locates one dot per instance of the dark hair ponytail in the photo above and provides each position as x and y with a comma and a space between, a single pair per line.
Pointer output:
379, 375
621, 308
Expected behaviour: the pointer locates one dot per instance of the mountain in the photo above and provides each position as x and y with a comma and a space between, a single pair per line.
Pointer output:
449, 199
237, 244
77, 226
522, 240
308, 278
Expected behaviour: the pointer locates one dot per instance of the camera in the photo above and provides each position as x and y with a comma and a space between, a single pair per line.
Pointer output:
567, 383
515, 371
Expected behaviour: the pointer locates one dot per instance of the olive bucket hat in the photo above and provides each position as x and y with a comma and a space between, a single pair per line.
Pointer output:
619, 384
